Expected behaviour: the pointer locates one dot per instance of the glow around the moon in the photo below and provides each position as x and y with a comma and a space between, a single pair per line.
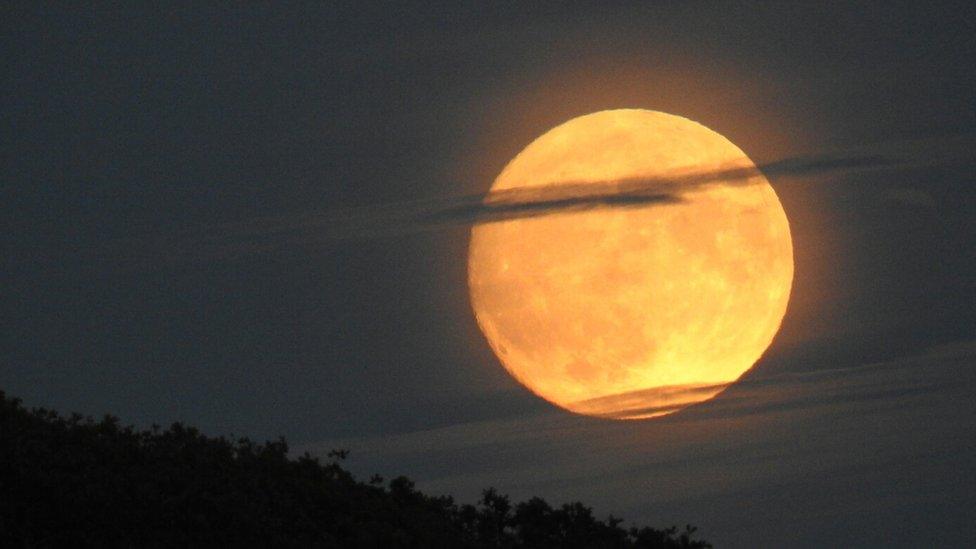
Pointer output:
633, 312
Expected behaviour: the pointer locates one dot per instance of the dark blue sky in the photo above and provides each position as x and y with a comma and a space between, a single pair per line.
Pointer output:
172, 180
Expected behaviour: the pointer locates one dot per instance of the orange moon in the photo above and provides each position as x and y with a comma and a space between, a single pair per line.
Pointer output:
639, 311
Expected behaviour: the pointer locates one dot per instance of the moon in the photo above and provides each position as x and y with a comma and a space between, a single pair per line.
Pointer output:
640, 311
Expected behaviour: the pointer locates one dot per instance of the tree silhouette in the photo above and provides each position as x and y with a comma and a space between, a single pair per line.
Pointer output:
72, 481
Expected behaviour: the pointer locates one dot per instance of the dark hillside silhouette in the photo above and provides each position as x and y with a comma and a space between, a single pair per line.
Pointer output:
72, 481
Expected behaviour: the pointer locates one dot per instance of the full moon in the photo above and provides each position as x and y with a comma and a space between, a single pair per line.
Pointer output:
638, 311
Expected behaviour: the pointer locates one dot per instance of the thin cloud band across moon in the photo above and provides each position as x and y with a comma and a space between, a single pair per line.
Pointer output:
284, 234
634, 312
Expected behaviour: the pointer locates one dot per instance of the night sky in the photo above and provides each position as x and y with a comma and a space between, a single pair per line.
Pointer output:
200, 223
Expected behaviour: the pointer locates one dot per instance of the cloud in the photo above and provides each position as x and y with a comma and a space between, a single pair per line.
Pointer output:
646, 403
768, 452
296, 233
941, 369
622, 193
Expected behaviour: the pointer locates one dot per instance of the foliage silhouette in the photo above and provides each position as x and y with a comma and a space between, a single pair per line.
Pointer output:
73, 481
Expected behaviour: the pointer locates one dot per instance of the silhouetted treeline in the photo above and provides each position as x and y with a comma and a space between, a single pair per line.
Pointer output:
74, 482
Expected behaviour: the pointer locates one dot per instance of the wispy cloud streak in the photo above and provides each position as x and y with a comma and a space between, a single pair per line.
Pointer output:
298, 233
414, 216
635, 192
